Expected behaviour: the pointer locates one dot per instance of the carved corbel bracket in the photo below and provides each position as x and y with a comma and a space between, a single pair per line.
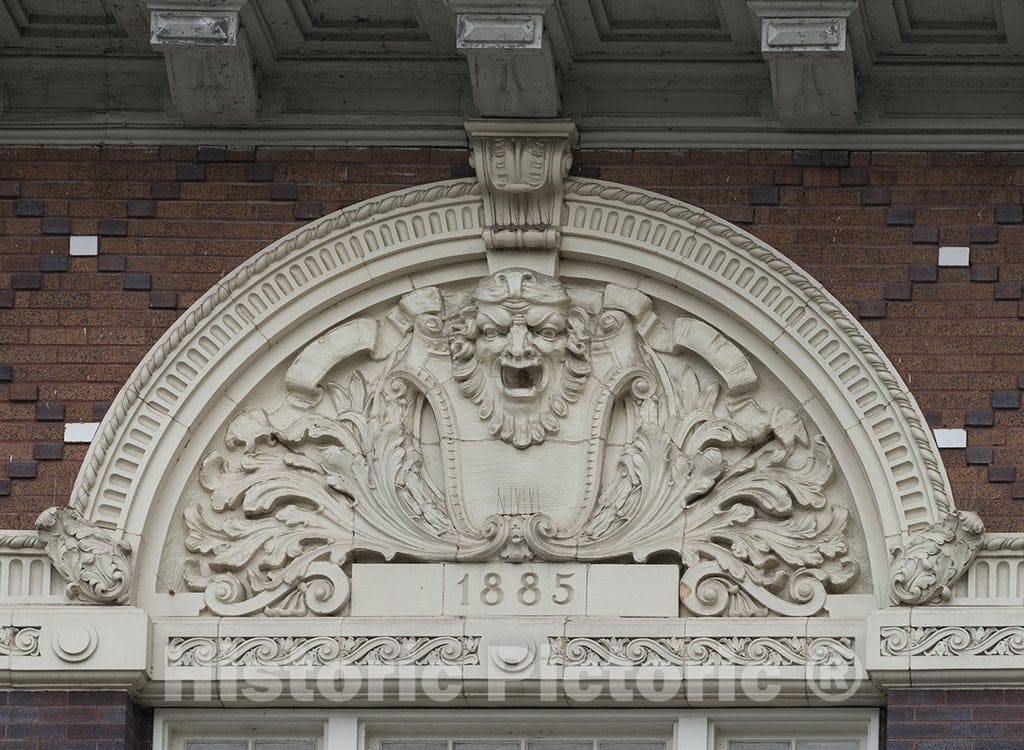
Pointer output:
97, 567
809, 52
935, 558
210, 70
521, 166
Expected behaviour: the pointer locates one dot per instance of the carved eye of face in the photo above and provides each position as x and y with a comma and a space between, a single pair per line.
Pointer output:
548, 333
491, 333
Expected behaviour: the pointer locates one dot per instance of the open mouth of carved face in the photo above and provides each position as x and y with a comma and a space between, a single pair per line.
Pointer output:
521, 382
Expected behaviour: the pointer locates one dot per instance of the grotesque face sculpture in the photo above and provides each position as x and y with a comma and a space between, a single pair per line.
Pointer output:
520, 351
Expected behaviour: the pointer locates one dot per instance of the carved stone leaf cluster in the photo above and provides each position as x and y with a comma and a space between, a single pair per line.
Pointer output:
701, 651
96, 566
318, 651
935, 558
521, 374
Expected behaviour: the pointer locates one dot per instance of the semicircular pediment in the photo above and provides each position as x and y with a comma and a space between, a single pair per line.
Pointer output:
382, 386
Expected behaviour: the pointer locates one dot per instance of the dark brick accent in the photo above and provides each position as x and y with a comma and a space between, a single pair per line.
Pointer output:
872, 308
899, 217
1017, 491
53, 264
1009, 215
764, 196
163, 300
737, 214
1002, 473
21, 469
933, 418
5, 487
259, 172
138, 281
99, 410
1020, 309
112, 228
141, 209
578, 170
898, 292
807, 158
984, 272
5, 373
1020, 382
23, 392
284, 191
6, 298
26, 280
164, 190
55, 225
110, 263
1008, 290
924, 235
978, 418
49, 412
1006, 400
10, 189
308, 210
212, 153
875, 196
48, 451
978, 456
923, 273
29, 209
190, 173
984, 235
832, 158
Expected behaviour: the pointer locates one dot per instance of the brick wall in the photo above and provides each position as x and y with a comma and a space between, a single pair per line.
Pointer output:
173, 220
70, 720
955, 720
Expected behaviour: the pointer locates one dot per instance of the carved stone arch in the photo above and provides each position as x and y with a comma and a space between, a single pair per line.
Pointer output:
258, 319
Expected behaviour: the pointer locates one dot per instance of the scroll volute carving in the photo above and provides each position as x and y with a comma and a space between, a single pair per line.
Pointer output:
521, 167
97, 567
924, 571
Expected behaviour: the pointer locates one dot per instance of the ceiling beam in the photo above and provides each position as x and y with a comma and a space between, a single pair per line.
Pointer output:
511, 64
210, 70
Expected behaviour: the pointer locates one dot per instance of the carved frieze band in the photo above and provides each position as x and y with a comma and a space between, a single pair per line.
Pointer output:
952, 641
744, 651
317, 651
19, 641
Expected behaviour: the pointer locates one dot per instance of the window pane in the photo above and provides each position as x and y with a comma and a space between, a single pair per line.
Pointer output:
755, 745
485, 745
827, 745
631, 746
556, 745
286, 745
217, 745
414, 746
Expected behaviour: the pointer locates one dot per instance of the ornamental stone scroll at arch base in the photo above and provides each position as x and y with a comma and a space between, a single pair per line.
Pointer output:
529, 370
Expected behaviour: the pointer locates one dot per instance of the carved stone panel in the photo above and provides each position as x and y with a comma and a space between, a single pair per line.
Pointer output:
520, 418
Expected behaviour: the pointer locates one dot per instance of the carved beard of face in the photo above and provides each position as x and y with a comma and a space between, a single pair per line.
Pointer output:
522, 363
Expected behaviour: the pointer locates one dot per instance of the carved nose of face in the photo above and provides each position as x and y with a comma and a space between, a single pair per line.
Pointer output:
519, 344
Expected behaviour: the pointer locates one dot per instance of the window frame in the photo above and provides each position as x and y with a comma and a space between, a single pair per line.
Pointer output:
683, 729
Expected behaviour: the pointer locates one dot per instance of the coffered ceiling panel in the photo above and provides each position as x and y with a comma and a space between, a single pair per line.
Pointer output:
946, 29
51, 25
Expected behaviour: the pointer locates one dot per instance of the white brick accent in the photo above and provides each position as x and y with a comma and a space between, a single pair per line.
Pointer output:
954, 256
84, 245
951, 438
80, 432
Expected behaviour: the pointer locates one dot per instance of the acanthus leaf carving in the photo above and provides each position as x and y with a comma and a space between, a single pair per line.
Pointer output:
96, 565
935, 558
519, 371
